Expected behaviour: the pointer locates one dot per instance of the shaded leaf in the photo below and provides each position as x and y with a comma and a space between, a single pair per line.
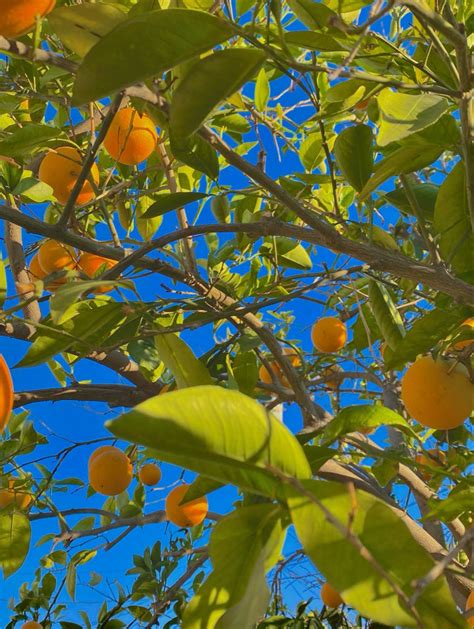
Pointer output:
197, 153
353, 150
353, 418
15, 535
167, 202
180, 360
387, 316
29, 139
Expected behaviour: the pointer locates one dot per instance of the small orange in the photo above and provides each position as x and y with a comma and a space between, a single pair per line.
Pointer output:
433, 458
190, 514
94, 266
60, 169
437, 393
131, 138
150, 474
462, 344
330, 597
53, 256
11, 495
6, 394
329, 334
110, 471
265, 375
470, 605
19, 16
31, 624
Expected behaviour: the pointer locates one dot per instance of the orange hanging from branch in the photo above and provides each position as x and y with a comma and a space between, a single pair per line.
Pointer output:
6, 394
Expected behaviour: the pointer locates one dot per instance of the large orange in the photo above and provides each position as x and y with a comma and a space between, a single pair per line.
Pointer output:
60, 169
31, 624
149, 474
131, 138
110, 471
35, 270
433, 458
329, 334
462, 344
11, 495
330, 597
6, 394
19, 16
54, 256
437, 393
94, 265
470, 605
189, 514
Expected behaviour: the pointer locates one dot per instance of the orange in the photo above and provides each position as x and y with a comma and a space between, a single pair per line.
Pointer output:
94, 266
60, 169
265, 375
150, 474
19, 16
329, 334
190, 514
435, 458
462, 344
11, 495
6, 394
437, 394
131, 138
35, 270
330, 597
31, 624
110, 471
470, 605
53, 256
333, 385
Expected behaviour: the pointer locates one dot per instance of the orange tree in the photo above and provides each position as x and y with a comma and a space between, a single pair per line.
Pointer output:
234, 168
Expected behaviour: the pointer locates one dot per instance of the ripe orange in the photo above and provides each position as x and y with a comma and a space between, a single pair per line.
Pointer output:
437, 394
60, 169
94, 266
462, 344
190, 514
436, 458
330, 597
150, 474
31, 624
11, 495
53, 256
19, 16
6, 394
329, 334
470, 605
265, 375
110, 471
35, 270
131, 137
333, 385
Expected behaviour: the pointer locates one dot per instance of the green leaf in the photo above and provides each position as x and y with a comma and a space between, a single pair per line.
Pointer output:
385, 535
71, 577
246, 372
353, 418
311, 151
456, 504
15, 535
314, 41
167, 202
219, 433
314, 14
144, 46
425, 194
452, 223
180, 360
423, 335
147, 227
197, 153
29, 139
388, 319
67, 296
200, 486
210, 81
286, 252
242, 548
402, 115
262, 90
354, 154
32, 189
80, 27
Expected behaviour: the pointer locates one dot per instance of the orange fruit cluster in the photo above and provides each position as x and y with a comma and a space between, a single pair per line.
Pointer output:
110, 471
189, 514
19, 16
437, 393
60, 169
6, 394
131, 137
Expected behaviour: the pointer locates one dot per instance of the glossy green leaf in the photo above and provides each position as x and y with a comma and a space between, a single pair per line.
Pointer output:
311, 151
286, 252
15, 535
147, 227
354, 154
197, 153
402, 115
387, 316
353, 418
425, 194
243, 547
219, 433
262, 90
390, 542
452, 222
29, 139
246, 371
144, 46
80, 27
316, 15
209, 82
458, 502
314, 41
180, 360
168, 202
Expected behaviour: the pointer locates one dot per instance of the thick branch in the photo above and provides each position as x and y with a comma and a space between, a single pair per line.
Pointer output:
113, 395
